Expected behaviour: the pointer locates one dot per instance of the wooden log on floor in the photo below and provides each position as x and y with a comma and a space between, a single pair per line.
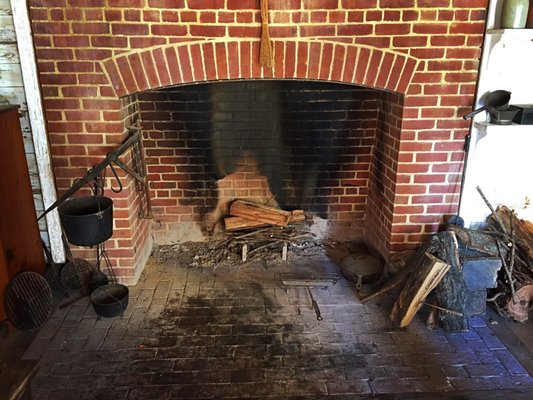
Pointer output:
451, 292
260, 213
427, 272
238, 223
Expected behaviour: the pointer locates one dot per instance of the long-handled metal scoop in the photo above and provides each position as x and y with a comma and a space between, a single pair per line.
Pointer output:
315, 305
308, 281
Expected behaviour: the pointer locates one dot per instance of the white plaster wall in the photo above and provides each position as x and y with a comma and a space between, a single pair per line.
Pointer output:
500, 159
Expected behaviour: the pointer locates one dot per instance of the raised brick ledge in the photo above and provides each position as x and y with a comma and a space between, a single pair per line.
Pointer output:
293, 59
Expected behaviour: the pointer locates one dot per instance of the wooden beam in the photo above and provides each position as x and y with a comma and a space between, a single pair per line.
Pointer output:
32, 89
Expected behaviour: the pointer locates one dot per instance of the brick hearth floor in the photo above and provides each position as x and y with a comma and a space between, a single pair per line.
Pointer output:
238, 333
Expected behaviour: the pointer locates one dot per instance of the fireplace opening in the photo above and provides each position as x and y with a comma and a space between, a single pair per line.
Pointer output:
326, 148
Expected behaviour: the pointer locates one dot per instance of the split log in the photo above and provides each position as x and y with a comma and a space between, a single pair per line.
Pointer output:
260, 213
297, 216
451, 292
427, 273
401, 276
238, 223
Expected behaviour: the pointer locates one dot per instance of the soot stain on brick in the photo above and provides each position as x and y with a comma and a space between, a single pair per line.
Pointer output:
301, 134
227, 327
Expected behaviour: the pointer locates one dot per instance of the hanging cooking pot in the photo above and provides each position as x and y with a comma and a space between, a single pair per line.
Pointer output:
496, 99
87, 220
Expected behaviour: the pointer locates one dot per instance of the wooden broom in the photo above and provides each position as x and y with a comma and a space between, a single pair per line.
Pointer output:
265, 54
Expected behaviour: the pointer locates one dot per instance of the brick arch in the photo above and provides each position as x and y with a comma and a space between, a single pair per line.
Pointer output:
183, 63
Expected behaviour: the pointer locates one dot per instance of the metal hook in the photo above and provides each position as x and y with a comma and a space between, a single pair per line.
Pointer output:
118, 180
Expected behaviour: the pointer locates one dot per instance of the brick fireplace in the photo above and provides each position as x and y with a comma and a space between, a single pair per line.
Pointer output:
292, 144
408, 68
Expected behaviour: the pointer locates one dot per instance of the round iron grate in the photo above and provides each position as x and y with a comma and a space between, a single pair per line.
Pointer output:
76, 274
28, 301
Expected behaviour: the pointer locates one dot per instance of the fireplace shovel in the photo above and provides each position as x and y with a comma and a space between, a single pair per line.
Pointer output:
308, 282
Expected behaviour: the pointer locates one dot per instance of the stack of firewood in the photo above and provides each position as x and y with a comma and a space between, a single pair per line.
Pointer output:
250, 215
257, 230
514, 239
459, 264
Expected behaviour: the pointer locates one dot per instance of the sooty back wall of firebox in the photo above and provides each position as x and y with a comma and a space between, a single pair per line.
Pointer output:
302, 135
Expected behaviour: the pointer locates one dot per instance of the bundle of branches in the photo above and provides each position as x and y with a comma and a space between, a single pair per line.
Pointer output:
514, 238
261, 244
267, 239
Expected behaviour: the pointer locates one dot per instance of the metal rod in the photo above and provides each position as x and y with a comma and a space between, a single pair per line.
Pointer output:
93, 172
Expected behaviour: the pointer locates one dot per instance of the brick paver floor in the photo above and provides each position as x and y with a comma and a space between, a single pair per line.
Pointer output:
239, 333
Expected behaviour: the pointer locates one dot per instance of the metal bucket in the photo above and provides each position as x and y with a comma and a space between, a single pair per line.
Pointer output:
87, 220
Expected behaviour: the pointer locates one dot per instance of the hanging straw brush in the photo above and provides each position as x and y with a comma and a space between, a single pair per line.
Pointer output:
265, 54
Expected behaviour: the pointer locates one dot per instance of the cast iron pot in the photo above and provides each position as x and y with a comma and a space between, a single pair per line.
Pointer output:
110, 300
502, 116
361, 268
496, 99
87, 220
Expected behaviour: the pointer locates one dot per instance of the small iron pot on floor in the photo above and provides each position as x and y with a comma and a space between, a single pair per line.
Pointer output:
110, 300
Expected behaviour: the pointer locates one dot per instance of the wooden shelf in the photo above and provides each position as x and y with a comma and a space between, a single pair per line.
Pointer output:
518, 34
488, 127
508, 31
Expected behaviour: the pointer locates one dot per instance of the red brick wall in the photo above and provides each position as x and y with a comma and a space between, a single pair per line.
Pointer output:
92, 52
382, 199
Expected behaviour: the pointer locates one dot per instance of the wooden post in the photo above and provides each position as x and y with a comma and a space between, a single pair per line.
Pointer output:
36, 113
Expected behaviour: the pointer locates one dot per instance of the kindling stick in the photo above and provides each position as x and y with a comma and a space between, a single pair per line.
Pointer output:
496, 216
443, 309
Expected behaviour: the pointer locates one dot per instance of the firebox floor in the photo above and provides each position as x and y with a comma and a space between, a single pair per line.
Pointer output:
217, 333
